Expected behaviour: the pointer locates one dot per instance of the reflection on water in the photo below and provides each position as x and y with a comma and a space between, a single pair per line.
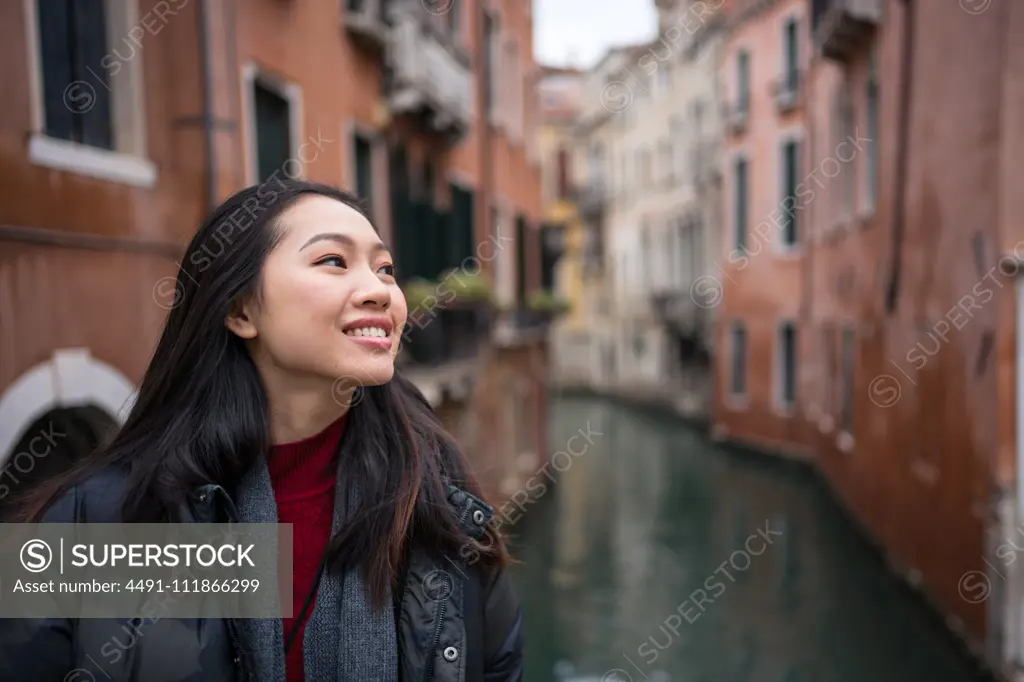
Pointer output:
662, 557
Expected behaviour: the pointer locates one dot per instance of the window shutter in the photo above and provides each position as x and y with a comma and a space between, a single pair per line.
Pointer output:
90, 44
55, 47
273, 131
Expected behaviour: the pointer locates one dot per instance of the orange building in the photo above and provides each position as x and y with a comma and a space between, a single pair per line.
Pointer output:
112, 153
893, 327
763, 84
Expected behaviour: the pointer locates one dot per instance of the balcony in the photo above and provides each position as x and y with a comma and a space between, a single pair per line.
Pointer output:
735, 116
590, 199
450, 334
429, 76
367, 22
786, 91
843, 27
680, 313
521, 326
704, 162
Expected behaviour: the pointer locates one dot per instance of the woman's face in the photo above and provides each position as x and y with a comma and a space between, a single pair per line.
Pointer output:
329, 307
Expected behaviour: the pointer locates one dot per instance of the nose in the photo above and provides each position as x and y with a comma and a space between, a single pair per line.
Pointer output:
370, 291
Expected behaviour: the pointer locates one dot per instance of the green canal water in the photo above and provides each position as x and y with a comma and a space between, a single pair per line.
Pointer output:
661, 556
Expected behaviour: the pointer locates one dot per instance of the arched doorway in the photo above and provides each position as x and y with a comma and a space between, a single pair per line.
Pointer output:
48, 447
55, 413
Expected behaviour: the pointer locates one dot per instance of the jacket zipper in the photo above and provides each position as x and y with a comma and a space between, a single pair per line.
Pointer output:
429, 672
241, 662
210, 496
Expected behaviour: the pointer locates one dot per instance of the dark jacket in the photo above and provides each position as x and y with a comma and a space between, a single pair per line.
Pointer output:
467, 629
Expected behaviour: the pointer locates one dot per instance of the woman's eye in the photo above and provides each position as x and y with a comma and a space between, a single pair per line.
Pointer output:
336, 261
387, 270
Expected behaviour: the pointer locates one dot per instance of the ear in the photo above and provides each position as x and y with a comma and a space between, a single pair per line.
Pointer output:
241, 318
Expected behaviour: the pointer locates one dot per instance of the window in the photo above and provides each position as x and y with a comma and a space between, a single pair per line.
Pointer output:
738, 378
273, 131
491, 59
846, 416
363, 158
646, 171
510, 96
664, 78
740, 204
645, 255
87, 109
460, 235
562, 162
72, 45
790, 150
828, 358
677, 141
844, 129
743, 80
429, 182
791, 54
871, 167
521, 236
665, 170
786, 365
683, 249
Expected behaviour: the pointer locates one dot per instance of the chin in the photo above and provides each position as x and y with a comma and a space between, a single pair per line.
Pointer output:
382, 376
368, 372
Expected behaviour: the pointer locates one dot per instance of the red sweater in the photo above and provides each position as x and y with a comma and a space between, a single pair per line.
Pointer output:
304, 476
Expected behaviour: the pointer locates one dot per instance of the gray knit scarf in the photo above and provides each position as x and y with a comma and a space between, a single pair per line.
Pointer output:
346, 639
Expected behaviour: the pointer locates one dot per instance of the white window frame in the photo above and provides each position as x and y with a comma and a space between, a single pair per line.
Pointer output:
735, 73
504, 269
844, 438
128, 163
794, 134
868, 196
796, 15
377, 142
738, 401
843, 121
512, 88
737, 154
497, 50
253, 74
782, 407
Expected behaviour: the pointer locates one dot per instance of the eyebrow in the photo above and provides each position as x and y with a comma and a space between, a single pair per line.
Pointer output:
343, 239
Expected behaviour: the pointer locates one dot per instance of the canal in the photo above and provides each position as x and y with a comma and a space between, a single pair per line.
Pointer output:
660, 556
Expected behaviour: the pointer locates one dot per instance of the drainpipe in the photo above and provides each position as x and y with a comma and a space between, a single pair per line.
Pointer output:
486, 153
902, 159
209, 163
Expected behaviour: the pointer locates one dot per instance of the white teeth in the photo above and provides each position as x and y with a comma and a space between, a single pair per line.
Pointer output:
367, 331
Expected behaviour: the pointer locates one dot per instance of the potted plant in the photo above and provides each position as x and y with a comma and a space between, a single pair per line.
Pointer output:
546, 304
467, 287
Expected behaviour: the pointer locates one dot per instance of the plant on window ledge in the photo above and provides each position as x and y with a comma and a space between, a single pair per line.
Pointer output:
466, 287
546, 302
421, 293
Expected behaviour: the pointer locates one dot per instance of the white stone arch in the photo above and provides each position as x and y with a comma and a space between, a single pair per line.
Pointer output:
72, 377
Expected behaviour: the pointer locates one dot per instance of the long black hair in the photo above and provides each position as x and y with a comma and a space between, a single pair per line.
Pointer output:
201, 412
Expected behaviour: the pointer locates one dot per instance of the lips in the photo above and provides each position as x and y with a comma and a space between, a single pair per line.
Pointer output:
369, 326
370, 331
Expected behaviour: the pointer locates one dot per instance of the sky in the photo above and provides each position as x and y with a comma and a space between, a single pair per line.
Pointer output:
578, 32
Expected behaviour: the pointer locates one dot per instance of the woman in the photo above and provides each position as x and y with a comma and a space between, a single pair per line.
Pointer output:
271, 393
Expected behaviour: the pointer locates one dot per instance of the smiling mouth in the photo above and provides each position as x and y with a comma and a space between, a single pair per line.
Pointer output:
376, 337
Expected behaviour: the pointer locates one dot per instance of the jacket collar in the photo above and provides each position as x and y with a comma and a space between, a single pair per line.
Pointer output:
211, 502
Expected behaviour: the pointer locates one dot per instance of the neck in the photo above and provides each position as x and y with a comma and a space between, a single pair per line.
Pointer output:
295, 415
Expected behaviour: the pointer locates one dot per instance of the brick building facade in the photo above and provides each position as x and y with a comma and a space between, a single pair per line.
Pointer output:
113, 152
899, 363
